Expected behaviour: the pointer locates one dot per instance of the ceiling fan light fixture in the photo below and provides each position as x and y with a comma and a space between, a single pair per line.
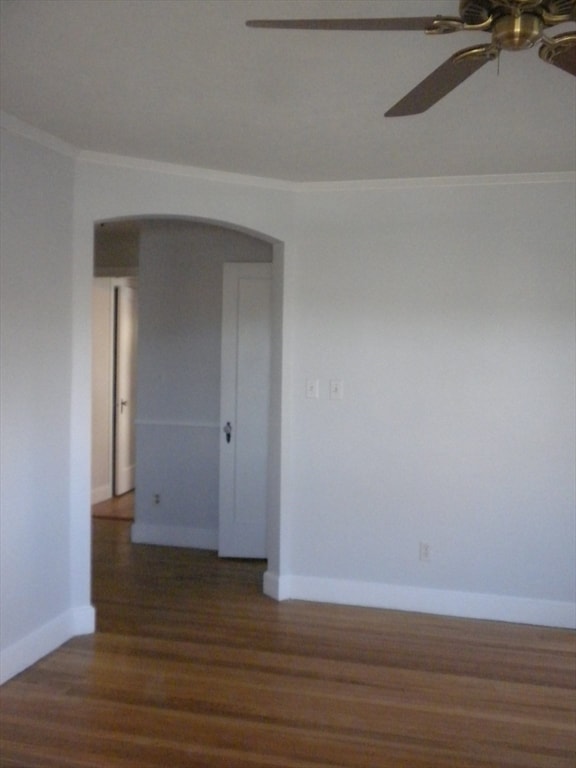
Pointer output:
514, 25
517, 33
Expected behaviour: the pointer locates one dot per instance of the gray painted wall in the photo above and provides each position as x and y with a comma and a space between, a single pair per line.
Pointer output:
178, 401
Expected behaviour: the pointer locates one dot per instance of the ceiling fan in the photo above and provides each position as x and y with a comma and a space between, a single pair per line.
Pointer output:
514, 25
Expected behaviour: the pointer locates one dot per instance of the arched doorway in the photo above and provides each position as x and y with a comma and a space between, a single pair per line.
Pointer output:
179, 267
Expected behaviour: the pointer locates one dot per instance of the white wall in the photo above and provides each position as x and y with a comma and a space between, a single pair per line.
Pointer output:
37, 612
178, 428
448, 312
447, 309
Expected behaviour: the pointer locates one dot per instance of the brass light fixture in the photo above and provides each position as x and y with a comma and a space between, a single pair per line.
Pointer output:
515, 33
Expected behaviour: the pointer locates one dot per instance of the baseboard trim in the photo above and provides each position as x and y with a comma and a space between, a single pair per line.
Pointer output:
175, 536
518, 610
84, 620
277, 587
42, 641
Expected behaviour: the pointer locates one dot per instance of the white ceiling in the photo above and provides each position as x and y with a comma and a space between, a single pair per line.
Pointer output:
185, 81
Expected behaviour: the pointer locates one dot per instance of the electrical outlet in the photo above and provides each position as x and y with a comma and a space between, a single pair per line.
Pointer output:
424, 552
156, 498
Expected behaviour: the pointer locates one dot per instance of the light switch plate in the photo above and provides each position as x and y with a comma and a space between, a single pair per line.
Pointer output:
312, 388
336, 389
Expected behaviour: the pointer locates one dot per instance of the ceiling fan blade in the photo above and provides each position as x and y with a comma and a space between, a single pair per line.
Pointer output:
407, 24
566, 60
561, 52
439, 83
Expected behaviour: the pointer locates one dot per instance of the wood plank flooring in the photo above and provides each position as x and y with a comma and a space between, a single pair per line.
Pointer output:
116, 508
193, 667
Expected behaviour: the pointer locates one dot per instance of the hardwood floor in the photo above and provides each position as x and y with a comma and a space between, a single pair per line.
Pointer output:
116, 508
193, 667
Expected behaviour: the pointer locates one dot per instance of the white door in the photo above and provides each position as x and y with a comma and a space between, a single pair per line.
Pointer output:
244, 410
125, 388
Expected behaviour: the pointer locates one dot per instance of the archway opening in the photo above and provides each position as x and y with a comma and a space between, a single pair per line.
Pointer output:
177, 263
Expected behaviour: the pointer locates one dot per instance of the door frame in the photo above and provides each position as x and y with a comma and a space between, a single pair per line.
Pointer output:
117, 284
106, 490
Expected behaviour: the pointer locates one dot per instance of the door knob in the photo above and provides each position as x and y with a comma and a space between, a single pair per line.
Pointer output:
228, 431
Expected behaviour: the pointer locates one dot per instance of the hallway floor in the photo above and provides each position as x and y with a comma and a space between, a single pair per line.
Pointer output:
116, 508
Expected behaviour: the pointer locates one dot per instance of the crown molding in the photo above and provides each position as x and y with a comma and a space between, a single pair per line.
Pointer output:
19, 127
360, 185
440, 181
190, 171
25, 130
